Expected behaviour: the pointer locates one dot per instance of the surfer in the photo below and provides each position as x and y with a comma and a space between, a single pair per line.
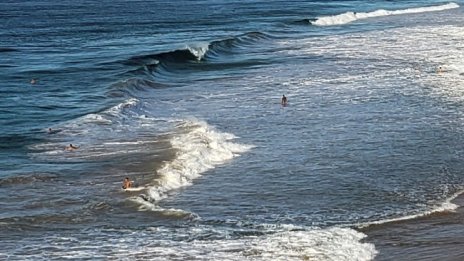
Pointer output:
283, 102
71, 147
127, 183
52, 131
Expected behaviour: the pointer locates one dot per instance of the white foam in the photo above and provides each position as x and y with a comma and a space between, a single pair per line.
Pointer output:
103, 118
200, 148
98, 134
349, 17
444, 207
134, 189
145, 205
199, 50
116, 110
157, 244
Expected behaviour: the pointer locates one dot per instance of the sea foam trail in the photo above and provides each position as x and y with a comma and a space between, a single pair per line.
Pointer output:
315, 244
328, 244
444, 207
199, 148
349, 17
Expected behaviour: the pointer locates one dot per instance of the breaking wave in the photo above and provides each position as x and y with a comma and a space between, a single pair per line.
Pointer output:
194, 53
199, 148
349, 17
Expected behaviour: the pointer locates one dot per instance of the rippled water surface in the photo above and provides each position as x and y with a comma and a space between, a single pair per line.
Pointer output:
184, 98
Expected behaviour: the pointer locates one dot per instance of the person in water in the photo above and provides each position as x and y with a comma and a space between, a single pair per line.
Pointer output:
52, 131
71, 147
127, 183
283, 102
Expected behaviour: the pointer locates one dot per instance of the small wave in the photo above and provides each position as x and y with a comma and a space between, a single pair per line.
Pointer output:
200, 148
103, 118
146, 205
190, 53
26, 179
444, 207
89, 129
349, 17
234, 45
132, 87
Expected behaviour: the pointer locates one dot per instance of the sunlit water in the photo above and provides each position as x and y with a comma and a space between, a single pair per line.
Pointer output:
184, 98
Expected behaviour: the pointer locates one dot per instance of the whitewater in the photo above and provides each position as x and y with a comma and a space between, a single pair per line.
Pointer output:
184, 99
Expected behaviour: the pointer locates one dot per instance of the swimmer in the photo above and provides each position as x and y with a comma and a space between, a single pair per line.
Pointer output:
440, 70
71, 147
52, 131
283, 102
127, 183
33, 81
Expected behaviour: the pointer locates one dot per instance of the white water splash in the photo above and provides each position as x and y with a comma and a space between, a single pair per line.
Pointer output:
349, 17
200, 148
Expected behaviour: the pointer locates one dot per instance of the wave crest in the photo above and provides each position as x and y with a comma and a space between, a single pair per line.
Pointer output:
196, 52
200, 148
349, 17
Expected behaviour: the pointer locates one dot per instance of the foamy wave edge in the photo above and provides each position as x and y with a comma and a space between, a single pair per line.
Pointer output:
200, 147
349, 17
317, 244
445, 206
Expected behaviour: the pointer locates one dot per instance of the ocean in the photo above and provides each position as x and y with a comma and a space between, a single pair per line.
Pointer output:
183, 97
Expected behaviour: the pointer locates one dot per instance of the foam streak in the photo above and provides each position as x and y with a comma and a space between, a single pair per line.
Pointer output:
349, 17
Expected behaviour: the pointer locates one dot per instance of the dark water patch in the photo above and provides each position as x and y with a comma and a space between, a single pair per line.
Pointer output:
306, 21
8, 50
45, 220
176, 56
27, 179
7, 66
15, 141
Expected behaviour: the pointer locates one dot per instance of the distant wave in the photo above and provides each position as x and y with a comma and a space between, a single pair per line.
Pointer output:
195, 52
231, 45
176, 56
349, 17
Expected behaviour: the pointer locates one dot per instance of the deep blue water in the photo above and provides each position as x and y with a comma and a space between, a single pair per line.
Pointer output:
184, 98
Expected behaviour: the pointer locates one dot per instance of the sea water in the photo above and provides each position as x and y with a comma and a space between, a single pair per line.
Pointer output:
183, 98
